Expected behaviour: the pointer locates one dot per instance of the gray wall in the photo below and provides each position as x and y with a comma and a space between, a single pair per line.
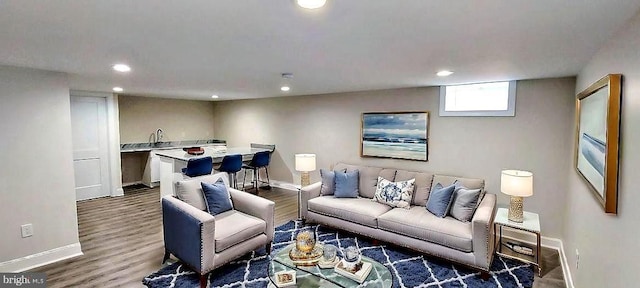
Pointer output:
608, 244
179, 119
329, 126
36, 175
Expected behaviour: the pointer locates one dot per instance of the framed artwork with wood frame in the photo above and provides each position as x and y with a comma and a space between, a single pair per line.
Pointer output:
597, 139
398, 135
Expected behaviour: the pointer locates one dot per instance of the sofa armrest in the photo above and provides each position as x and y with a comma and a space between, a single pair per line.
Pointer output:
255, 206
188, 233
482, 231
307, 193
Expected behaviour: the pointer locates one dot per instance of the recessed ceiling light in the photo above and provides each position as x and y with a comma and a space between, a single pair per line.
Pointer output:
117, 89
215, 96
311, 4
444, 73
285, 88
121, 67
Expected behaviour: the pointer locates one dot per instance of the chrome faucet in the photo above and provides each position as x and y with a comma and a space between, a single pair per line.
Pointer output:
159, 135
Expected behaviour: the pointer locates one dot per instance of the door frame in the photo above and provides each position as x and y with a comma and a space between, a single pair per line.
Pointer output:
113, 138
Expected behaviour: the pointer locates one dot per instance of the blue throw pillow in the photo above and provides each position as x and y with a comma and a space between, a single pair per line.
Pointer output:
328, 185
440, 199
216, 197
346, 184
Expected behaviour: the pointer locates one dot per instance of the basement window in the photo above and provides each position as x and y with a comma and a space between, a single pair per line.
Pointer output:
482, 99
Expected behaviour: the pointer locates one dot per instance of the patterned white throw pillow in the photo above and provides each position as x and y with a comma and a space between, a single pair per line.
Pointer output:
394, 194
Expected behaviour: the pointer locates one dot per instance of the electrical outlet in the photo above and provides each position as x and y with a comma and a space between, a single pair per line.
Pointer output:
27, 230
577, 259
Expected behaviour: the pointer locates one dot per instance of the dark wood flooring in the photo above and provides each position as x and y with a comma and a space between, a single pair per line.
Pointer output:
121, 238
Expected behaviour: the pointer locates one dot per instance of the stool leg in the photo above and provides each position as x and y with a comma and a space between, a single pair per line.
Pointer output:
235, 180
266, 170
244, 178
256, 177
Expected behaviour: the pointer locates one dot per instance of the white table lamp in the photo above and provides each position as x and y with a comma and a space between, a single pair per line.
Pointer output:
516, 184
305, 163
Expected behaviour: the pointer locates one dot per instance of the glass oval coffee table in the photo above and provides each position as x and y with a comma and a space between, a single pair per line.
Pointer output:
314, 276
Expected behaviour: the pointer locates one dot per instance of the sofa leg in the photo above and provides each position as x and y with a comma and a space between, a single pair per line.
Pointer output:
375, 242
484, 275
203, 281
268, 248
167, 254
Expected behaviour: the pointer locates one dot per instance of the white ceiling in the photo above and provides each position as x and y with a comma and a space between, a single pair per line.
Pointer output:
238, 48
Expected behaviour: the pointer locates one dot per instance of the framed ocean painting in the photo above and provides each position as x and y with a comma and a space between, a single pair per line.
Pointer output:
399, 135
597, 137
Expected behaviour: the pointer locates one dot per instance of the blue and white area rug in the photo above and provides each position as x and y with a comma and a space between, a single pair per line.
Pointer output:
409, 268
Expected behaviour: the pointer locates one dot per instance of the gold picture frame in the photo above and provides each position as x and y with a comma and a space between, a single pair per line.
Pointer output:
597, 139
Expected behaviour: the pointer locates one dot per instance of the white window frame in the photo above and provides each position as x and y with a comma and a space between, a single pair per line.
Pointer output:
511, 105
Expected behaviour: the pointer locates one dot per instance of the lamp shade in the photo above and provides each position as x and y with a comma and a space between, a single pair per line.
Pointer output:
305, 162
516, 183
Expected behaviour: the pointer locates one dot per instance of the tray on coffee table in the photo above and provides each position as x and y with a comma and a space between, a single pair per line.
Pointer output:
314, 276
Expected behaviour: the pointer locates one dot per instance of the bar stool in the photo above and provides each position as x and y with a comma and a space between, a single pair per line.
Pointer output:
232, 164
259, 160
198, 166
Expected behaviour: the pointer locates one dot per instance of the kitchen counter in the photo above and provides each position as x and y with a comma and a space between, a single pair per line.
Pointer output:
216, 154
172, 162
146, 147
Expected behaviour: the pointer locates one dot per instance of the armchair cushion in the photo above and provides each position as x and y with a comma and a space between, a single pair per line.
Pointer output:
216, 197
255, 206
190, 190
233, 227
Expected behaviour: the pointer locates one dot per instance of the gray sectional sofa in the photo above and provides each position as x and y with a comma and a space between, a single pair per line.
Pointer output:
468, 243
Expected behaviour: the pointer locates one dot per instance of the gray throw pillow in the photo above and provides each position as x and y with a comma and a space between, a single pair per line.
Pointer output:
440, 199
464, 203
346, 184
328, 185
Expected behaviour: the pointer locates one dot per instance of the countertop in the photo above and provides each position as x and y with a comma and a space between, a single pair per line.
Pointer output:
145, 147
216, 154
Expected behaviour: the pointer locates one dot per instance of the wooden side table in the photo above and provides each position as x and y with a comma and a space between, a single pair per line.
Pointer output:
530, 224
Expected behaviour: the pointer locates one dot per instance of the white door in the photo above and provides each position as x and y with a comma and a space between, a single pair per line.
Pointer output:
90, 146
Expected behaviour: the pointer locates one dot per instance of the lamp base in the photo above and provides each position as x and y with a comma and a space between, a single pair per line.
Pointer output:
304, 179
515, 209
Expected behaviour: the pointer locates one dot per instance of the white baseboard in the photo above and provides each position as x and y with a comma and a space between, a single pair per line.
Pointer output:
566, 272
40, 259
131, 184
284, 185
548, 242
118, 192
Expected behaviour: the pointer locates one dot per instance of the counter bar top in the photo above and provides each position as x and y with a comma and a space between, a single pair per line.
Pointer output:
216, 154
146, 147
